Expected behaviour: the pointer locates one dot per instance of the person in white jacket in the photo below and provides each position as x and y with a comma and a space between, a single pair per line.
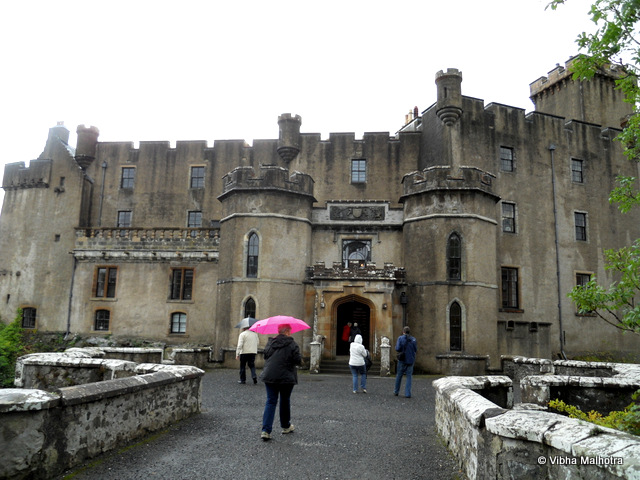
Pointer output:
246, 351
357, 354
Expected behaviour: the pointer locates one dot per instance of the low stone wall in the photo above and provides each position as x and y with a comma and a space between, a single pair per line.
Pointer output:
42, 433
491, 441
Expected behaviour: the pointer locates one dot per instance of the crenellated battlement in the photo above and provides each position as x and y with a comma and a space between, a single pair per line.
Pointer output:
561, 73
37, 175
446, 178
271, 177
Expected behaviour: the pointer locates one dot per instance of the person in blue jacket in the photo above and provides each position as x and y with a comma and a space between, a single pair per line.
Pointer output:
406, 348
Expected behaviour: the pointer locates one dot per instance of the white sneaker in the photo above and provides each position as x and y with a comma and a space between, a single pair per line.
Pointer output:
265, 436
288, 430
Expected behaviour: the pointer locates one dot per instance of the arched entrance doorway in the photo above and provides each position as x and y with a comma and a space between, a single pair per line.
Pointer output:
352, 311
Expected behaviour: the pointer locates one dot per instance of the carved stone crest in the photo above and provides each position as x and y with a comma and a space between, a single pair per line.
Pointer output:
360, 213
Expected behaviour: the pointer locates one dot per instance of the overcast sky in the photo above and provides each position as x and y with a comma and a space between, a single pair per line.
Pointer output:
206, 70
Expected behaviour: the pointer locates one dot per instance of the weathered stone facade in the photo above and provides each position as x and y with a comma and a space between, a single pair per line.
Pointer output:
470, 225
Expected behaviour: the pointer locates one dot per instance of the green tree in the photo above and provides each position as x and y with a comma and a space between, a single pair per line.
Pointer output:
11, 347
615, 42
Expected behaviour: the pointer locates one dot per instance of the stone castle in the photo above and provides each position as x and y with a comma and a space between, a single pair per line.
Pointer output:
470, 224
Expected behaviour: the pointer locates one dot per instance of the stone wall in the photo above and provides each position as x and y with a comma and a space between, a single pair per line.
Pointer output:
492, 441
42, 433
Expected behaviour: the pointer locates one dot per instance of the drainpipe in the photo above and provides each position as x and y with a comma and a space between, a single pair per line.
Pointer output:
104, 172
403, 302
73, 276
552, 148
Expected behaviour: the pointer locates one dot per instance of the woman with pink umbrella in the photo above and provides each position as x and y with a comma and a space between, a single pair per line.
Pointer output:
282, 356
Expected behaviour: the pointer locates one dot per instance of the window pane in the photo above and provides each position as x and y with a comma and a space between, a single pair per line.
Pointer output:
510, 288
29, 317
252, 256
102, 320
250, 308
188, 284
128, 175
358, 171
195, 220
101, 281
581, 226
506, 159
197, 177
179, 323
454, 257
111, 283
455, 327
124, 219
176, 283
508, 217
576, 171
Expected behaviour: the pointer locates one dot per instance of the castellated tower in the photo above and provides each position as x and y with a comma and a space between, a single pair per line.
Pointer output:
597, 101
86, 145
289, 138
266, 234
449, 106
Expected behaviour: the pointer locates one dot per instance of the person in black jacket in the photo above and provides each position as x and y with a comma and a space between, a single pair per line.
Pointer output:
279, 375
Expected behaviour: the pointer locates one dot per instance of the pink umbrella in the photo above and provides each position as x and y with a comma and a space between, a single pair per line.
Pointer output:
270, 325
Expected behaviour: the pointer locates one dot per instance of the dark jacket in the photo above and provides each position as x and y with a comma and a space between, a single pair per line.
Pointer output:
409, 345
281, 356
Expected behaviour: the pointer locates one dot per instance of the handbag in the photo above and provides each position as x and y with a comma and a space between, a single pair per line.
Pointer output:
367, 361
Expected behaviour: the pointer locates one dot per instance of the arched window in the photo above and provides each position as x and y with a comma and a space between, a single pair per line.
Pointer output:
454, 257
250, 308
356, 250
101, 321
178, 322
455, 327
252, 256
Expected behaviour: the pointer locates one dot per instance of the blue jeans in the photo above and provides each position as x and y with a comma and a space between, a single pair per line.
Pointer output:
404, 368
362, 370
273, 390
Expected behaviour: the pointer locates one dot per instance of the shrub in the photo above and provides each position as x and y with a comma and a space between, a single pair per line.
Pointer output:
627, 420
11, 347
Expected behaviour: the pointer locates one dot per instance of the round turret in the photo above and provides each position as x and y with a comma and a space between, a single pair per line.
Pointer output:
86, 145
289, 138
449, 106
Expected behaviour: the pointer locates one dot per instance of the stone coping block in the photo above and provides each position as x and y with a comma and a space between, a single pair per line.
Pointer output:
460, 391
92, 392
26, 399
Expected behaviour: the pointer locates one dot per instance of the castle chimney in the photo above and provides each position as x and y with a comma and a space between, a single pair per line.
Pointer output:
289, 138
86, 145
449, 105
60, 132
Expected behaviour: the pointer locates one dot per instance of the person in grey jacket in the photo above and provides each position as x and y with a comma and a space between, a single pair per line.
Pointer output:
282, 356
357, 354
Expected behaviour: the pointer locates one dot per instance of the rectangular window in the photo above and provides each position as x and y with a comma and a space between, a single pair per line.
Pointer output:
101, 321
508, 217
128, 175
506, 159
105, 284
194, 220
181, 287
577, 172
510, 288
582, 279
124, 219
197, 177
28, 317
358, 171
581, 226
179, 322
